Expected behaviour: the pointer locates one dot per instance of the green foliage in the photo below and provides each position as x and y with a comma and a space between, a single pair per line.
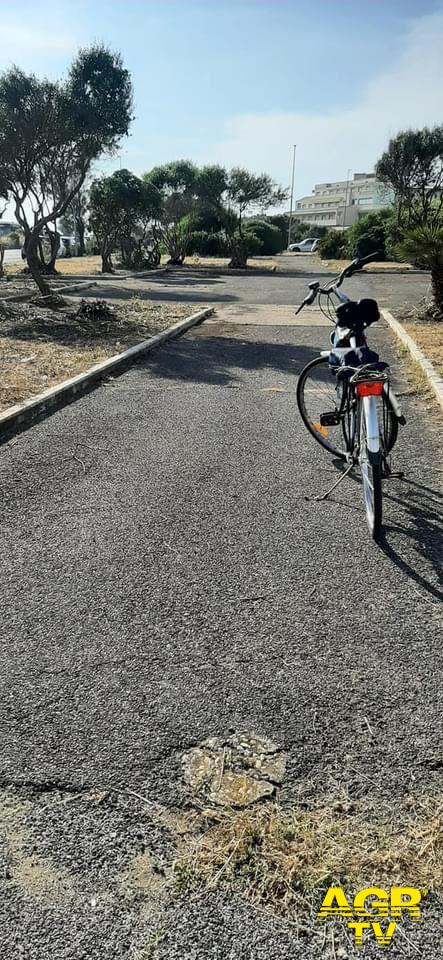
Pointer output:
99, 100
423, 246
333, 245
11, 241
301, 230
233, 194
207, 243
372, 233
413, 167
271, 240
206, 219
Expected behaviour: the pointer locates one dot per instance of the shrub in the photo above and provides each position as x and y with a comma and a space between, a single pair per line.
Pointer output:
371, 234
11, 241
270, 236
206, 243
333, 244
423, 246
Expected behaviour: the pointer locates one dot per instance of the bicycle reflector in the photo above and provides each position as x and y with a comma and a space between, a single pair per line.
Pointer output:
371, 389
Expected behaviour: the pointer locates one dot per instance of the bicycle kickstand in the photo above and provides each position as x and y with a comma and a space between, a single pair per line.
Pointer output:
334, 485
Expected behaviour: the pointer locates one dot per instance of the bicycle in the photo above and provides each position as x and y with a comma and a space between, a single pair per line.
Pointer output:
344, 396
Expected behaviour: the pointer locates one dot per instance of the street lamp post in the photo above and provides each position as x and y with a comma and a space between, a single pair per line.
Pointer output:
292, 195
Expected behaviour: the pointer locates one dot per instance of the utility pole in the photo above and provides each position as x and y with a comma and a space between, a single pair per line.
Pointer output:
292, 195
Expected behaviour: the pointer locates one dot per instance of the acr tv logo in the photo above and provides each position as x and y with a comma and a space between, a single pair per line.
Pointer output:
373, 912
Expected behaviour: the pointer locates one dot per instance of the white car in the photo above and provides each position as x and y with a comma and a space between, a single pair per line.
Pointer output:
304, 246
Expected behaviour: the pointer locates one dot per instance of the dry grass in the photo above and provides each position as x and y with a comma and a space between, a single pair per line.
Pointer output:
386, 266
41, 348
91, 265
254, 263
429, 337
419, 385
280, 859
29, 369
71, 266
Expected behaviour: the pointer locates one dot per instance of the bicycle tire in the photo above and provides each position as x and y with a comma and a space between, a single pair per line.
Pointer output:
313, 426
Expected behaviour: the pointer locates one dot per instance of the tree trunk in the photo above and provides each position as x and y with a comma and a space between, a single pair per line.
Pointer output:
34, 264
239, 254
437, 284
54, 240
106, 258
81, 237
2, 257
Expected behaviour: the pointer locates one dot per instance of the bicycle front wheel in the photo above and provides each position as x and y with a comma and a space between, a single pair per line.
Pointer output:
317, 394
370, 471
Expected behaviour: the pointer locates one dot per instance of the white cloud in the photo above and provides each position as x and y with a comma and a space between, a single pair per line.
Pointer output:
17, 39
408, 94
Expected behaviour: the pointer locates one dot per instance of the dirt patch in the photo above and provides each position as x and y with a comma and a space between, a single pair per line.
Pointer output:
40, 348
34, 876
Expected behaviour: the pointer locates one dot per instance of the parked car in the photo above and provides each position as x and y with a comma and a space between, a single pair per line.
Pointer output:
304, 246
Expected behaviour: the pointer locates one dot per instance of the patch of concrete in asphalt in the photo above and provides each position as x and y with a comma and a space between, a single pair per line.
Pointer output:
236, 771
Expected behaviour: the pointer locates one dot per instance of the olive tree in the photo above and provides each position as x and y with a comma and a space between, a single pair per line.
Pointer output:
177, 186
50, 133
413, 167
121, 208
234, 195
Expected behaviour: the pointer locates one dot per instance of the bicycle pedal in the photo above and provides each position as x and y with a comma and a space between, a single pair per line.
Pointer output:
331, 419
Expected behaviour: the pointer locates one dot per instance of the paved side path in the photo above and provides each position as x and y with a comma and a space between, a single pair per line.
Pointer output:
166, 576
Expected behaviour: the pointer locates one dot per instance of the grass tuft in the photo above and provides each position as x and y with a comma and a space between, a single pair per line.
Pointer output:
280, 859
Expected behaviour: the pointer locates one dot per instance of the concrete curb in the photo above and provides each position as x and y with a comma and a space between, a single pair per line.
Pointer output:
61, 284
31, 295
435, 381
23, 414
113, 277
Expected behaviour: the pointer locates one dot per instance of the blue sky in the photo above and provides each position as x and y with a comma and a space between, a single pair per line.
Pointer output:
240, 82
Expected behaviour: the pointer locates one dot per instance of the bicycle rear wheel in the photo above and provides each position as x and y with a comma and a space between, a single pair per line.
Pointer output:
317, 394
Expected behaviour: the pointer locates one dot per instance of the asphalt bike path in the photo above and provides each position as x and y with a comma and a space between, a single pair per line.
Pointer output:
167, 576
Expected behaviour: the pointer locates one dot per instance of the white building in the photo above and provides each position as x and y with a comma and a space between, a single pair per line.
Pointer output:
341, 203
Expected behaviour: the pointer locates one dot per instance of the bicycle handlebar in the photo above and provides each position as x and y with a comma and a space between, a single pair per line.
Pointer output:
348, 271
356, 264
